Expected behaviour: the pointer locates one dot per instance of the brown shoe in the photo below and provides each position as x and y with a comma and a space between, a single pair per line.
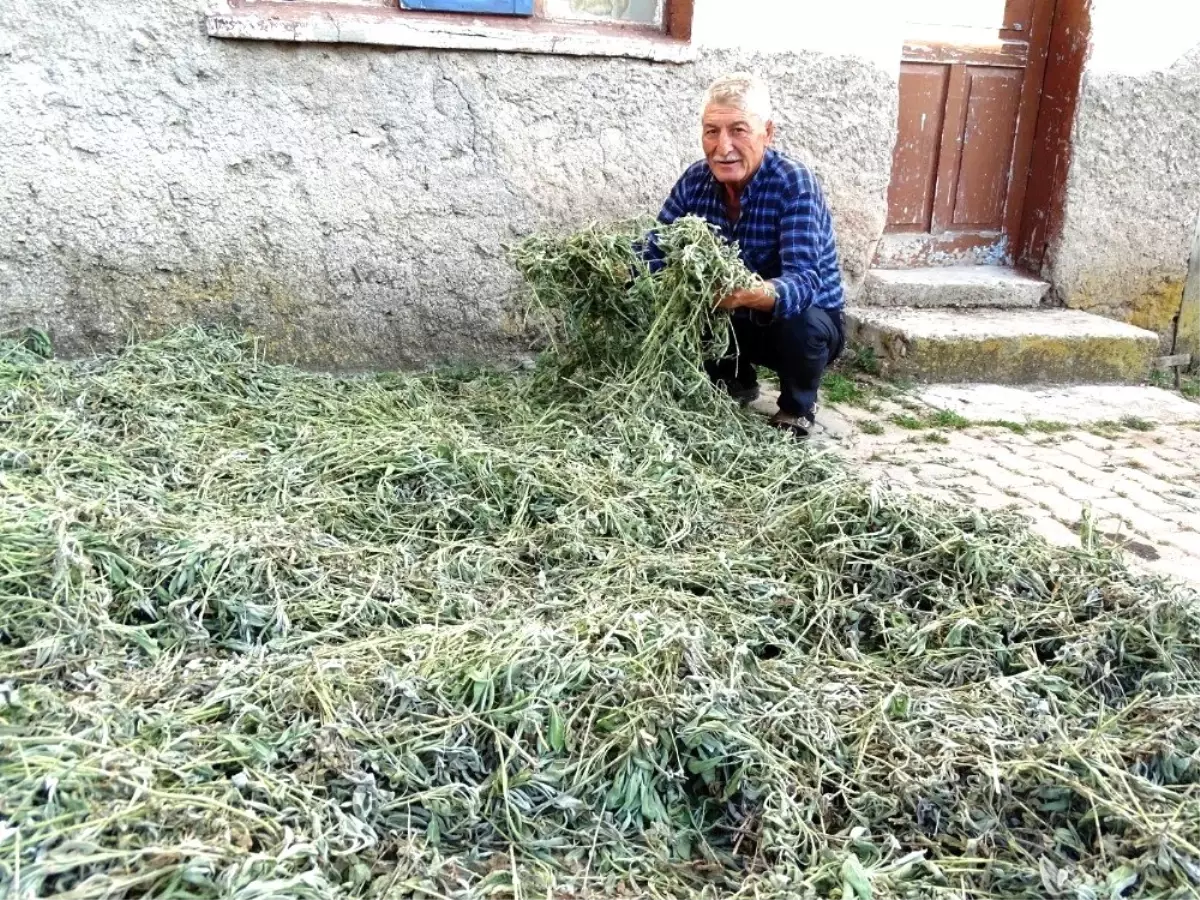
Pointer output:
798, 426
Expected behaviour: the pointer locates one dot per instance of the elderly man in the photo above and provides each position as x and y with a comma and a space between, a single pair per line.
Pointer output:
773, 208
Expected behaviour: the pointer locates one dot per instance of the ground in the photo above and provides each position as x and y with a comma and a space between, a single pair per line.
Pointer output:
1124, 456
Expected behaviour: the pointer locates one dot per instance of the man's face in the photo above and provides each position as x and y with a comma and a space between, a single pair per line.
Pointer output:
735, 143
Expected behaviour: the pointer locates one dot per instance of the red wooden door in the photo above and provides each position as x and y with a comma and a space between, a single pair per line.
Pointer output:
968, 110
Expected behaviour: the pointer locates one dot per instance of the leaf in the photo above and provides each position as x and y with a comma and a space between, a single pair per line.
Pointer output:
1120, 880
703, 766
856, 882
557, 731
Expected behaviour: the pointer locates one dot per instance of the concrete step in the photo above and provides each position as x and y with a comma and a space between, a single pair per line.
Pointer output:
1003, 346
952, 287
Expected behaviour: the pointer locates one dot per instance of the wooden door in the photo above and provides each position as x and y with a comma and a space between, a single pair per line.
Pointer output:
969, 89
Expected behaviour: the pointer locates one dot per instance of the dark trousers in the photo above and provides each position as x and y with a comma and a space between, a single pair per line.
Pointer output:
798, 349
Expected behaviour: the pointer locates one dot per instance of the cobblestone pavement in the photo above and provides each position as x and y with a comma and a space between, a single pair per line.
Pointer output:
1127, 457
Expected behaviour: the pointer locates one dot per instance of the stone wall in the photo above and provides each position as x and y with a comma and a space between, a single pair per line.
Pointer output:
1133, 192
351, 204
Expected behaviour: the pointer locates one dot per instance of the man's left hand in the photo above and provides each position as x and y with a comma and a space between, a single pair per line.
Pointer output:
760, 299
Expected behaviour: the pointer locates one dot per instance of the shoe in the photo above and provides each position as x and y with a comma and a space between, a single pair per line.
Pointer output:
798, 427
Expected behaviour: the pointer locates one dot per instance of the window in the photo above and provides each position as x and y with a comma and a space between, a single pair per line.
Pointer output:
641, 12
657, 30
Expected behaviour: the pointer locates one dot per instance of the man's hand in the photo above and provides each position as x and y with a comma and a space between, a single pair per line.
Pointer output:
761, 299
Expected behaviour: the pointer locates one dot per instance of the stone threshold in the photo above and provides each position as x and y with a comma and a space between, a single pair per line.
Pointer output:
953, 287
273, 20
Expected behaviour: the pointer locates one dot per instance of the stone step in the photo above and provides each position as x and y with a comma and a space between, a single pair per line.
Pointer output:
952, 287
1003, 346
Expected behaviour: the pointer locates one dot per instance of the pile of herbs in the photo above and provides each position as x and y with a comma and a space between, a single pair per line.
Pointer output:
587, 632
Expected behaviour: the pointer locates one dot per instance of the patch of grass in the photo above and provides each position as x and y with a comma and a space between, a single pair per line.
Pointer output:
1110, 428
871, 426
936, 437
1105, 428
945, 418
886, 390
1046, 427
849, 383
918, 417
1135, 423
865, 360
1189, 383
837, 388
1041, 426
909, 421
1014, 427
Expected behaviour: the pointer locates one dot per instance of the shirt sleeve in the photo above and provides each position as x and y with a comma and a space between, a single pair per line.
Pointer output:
675, 207
803, 226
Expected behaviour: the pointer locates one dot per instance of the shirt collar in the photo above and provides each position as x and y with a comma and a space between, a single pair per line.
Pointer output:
761, 176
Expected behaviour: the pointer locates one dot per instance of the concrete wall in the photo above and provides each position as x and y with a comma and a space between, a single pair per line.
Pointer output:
1133, 192
351, 203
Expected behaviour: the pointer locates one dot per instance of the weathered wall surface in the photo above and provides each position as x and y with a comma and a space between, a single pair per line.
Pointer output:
350, 204
1133, 193
1187, 334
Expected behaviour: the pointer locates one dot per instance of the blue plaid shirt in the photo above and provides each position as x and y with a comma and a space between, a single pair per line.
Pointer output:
784, 232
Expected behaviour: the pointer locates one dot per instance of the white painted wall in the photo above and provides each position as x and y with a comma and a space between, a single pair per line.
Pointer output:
352, 205
1133, 190
868, 29
1136, 37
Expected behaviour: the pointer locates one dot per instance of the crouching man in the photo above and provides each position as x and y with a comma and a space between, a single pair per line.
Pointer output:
774, 209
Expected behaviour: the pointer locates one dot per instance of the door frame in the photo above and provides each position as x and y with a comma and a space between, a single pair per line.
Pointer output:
1070, 40
1041, 148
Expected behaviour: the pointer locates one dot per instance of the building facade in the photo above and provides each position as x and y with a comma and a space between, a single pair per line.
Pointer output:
342, 177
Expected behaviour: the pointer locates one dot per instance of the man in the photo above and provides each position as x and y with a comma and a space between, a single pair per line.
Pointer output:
774, 209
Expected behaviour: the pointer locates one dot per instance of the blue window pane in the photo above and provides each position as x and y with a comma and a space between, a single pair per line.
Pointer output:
491, 7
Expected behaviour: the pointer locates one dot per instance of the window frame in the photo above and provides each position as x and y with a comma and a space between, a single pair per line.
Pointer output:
386, 24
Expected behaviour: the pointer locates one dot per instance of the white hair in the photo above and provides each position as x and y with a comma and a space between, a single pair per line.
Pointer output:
740, 90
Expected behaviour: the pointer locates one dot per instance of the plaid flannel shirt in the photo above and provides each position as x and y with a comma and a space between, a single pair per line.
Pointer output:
784, 233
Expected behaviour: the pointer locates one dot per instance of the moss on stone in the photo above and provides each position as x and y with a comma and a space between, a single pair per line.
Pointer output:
1157, 309
296, 322
1027, 359
1187, 339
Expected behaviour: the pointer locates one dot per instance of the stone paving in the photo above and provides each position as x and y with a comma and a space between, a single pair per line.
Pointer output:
1138, 483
